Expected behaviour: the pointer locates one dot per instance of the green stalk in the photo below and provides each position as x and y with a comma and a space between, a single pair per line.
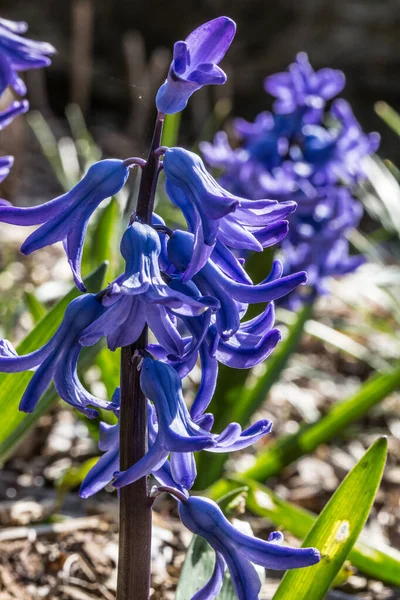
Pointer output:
289, 448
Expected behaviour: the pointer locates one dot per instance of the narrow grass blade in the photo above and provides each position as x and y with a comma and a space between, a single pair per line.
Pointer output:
389, 115
49, 145
171, 130
335, 338
35, 307
337, 528
289, 448
12, 385
104, 239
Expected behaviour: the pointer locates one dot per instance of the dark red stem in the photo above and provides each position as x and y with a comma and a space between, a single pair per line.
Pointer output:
135, 505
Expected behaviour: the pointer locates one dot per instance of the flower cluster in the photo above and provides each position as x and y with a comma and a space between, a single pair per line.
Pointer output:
190, 289
17, 54
310, 150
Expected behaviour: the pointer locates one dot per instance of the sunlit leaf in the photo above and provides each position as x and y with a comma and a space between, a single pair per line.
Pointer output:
337, 528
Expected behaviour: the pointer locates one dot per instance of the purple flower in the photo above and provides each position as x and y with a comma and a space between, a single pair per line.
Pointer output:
140, 295
213, 281
103, 471
172, 432
19, 54
213, 213
303, 88
237, 550
57, 360
250, 345
177, 432
66, 218
195, 63
6, 162
16, 108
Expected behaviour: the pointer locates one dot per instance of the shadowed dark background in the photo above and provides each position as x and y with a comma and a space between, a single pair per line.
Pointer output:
98, 63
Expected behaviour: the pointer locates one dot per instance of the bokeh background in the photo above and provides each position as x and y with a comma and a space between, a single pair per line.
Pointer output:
110, 69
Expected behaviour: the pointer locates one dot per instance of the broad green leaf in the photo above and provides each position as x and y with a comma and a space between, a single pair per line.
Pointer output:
12, 385
337, 528
287, 449
381, 563
170, 132
109, 365
36, 308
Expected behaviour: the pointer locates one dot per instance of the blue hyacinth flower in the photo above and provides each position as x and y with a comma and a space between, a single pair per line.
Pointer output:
19, 54
58, 360
103, 471
214, 213
195, 63
213, 281
238, 551
140, 296
66, 218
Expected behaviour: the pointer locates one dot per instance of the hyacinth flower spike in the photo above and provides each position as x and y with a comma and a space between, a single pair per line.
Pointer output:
57, 360
140, 295
213, 281
195, 63
239, 551
212, 212
19, 54
66, 218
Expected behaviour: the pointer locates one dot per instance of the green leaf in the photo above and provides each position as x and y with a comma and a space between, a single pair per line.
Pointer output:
71, 479
291, 447
36, 308
337, 528
389, 115
170, 132
12, 385
104, 239
382, 563
49, 146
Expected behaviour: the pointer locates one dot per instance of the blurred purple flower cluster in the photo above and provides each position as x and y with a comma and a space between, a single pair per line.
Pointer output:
309, 149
